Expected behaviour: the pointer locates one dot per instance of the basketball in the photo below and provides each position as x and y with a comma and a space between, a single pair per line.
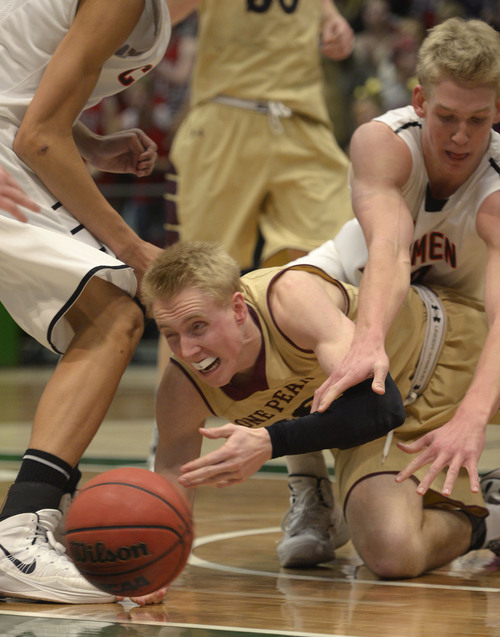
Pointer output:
129, 531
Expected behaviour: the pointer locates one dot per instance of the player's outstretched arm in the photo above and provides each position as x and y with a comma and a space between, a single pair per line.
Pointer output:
381, 164
460, 442
359, 416
180, 412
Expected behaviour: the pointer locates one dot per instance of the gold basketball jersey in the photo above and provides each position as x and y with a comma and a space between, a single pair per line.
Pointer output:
286, 376
261, 49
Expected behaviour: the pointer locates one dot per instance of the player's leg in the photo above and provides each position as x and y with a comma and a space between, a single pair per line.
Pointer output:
314, 525
308, 203
107, 326
222, 177
395, 535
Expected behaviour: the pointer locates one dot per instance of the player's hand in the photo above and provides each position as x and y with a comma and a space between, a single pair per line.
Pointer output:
243, 453
458, 443
357, 366
153, 598
139, 256
337, 38
12, 196
130, 151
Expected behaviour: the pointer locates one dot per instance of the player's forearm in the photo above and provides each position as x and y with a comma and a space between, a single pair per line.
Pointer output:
357, 417
60, 167
384, 286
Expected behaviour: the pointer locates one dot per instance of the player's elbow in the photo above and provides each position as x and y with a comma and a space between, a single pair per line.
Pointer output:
31, 145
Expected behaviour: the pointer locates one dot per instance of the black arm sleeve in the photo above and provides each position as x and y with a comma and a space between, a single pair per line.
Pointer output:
358, 416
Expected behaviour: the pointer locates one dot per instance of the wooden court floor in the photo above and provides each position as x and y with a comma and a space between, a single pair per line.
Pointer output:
233, 584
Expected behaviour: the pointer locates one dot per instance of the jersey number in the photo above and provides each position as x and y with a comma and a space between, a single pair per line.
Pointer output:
261, 6
418, 275
128, 77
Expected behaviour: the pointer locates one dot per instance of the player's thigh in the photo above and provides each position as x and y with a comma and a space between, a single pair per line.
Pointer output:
309, 199
382, 514
222, 177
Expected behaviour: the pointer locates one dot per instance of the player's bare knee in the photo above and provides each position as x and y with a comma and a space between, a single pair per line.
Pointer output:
391, 553
104, 312
129, 321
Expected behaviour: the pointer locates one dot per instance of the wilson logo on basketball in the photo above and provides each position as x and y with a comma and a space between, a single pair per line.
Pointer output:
99, 553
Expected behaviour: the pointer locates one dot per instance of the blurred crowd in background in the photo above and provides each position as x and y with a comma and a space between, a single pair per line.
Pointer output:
379, 75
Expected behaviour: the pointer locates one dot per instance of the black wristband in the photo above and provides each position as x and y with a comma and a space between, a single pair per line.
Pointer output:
358, 416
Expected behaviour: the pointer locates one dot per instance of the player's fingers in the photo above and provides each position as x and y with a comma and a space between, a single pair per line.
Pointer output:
331, 393
435, 468
205, 462
413, 447
203, 478
224, 431
222, 484
451, 476
201, 473
15, 193
378, 384
11, 208
473, 476
414, 465
153, 598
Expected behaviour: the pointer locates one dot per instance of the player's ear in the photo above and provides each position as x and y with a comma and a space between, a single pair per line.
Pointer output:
239, 306
496, 119
418, 100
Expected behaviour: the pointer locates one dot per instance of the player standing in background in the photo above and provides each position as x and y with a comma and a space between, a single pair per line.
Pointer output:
256, 151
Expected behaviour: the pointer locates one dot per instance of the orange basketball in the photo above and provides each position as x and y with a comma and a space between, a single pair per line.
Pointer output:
129, 531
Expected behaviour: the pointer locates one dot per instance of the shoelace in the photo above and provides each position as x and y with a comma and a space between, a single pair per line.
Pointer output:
305, 511
46, 536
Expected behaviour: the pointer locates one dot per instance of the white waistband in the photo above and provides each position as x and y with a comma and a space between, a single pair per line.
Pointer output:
274, 110
434, 337
433, 341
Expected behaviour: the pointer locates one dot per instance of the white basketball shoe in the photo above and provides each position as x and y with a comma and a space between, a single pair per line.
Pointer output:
314, 526
490, 487
34, 565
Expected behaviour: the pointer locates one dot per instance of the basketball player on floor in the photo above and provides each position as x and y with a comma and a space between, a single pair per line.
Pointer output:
256, 151
425, 185
254, 351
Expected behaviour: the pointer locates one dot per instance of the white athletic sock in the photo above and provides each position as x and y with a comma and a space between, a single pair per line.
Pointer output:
309, 464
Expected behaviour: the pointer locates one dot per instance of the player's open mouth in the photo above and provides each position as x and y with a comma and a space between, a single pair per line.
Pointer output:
457, 156
207, 364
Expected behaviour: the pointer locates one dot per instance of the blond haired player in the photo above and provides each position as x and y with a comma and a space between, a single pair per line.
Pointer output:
255, 350
256, 154
425, 183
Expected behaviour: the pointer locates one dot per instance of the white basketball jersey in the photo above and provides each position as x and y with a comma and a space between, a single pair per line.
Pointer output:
30, 31
446, 248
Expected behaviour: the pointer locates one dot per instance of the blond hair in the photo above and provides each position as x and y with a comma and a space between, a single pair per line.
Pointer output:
466, 51
192, 264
